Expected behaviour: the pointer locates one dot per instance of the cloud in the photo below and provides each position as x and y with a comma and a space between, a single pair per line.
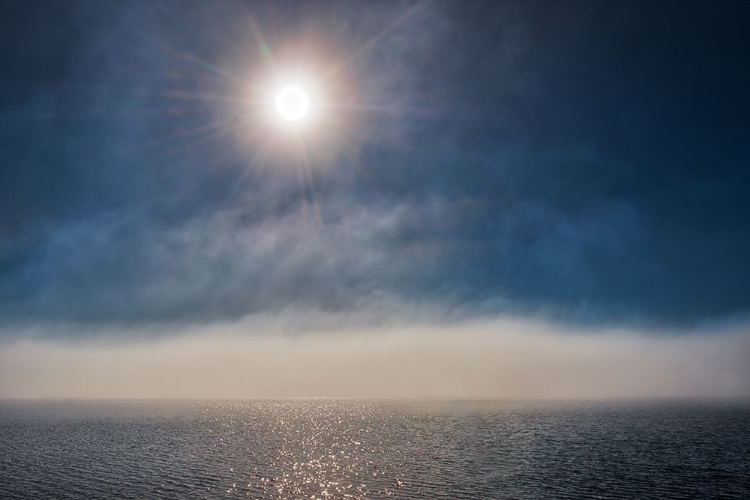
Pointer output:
492, 158
125, 267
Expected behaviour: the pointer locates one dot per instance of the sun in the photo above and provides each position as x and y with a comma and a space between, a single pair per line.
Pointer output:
292, 103
295, 113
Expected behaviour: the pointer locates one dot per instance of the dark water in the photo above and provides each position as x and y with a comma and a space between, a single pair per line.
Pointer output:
359, 449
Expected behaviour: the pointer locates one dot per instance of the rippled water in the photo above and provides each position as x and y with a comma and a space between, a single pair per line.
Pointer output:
371, 449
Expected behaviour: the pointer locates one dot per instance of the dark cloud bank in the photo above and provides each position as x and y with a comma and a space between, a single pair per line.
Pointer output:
583, 159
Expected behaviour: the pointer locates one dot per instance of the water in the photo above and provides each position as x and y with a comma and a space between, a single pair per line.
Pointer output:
370, 449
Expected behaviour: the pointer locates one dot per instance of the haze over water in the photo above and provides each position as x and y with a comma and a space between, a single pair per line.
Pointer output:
317, 448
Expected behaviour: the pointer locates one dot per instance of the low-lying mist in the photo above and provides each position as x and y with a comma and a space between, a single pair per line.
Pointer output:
492, 358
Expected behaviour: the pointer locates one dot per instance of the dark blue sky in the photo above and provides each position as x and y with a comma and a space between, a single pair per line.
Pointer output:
587, 160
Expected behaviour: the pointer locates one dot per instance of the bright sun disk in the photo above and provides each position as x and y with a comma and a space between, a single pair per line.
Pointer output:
292, 103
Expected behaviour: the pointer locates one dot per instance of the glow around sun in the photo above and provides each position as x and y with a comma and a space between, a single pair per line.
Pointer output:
295, 113
292, 103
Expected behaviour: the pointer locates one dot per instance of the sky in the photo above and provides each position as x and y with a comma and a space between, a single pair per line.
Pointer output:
491, 199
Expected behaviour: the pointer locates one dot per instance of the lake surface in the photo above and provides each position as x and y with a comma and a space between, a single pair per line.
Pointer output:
373, 449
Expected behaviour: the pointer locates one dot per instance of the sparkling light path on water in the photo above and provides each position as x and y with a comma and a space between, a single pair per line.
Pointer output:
290, 449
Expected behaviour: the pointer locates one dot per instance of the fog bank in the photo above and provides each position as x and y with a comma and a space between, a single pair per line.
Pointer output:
470, 359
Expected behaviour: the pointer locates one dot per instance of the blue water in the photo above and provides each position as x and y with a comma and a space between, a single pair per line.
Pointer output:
373, 449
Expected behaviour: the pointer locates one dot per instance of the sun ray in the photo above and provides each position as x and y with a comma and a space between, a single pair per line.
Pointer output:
183, 134
212, 69
374, 40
